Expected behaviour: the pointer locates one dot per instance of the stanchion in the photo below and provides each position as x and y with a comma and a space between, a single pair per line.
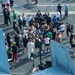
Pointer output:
40, 49
32, 58
40, 55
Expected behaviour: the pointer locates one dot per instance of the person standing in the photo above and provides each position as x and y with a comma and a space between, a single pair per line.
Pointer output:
15, 51
7, 16
68, 29
20, 22
62, 29
8, 4
29, 18
14, 15
66, 11
58, 15
48, 21
16, 38
9, 54
58, 38
55, 21
30, 47
8, 40
39, 14
71, 28
25, 41
59, 7
14, 25
24, 32
27, 2
11, 4
36, 1
47, 42
3, 5
4, 14
24, 19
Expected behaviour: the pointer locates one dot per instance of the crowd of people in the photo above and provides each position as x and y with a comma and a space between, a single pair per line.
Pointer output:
40, 29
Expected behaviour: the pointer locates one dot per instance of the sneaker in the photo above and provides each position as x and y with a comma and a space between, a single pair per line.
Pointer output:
36, 4
17, 61
74, 53
41, 52
32, 58
36, 54
28, 58
32, 2
45, 51
48, 50
12, 67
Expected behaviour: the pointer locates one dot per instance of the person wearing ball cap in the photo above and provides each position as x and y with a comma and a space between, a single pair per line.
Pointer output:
14, 43
15, 51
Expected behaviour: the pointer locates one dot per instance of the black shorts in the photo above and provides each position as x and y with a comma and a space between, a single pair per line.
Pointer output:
36, 46
62, 31
73, 45
46, 44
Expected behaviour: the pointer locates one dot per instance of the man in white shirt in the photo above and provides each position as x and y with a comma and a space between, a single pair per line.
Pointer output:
29, 18
30, 47
47, 42
24, 32
58, 15
24, 19
62, 29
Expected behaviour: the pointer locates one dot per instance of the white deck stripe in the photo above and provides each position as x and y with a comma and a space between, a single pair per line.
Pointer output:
55, 5
17, 73
34, 13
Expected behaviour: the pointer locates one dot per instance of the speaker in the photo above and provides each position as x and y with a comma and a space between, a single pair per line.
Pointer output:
41, 67
48, 64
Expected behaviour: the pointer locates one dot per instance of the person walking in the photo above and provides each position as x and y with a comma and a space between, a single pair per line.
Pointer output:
30, 47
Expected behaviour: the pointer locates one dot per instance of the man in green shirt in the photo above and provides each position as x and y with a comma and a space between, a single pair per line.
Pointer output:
14, 15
